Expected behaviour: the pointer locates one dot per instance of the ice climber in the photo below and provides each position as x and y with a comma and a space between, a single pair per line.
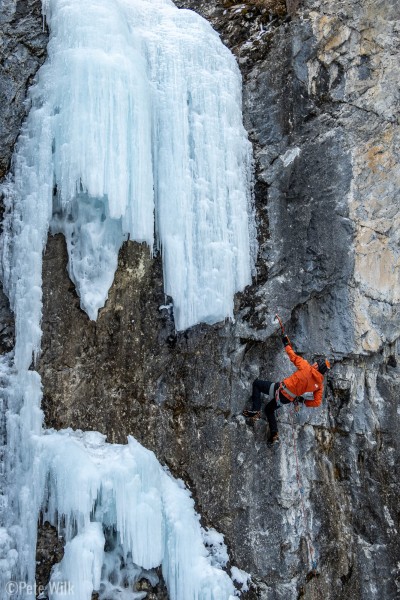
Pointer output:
307, 378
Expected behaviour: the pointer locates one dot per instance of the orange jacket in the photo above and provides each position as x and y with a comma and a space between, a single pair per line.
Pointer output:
305, 379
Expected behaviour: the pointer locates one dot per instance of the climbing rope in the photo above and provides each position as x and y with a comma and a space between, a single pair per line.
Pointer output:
310, 547
295, 409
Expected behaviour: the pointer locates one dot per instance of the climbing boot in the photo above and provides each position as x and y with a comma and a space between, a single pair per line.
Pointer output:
252, 415
273, 439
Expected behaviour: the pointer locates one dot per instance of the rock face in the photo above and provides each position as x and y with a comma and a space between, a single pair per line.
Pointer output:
320, 104
22, 50
49, 551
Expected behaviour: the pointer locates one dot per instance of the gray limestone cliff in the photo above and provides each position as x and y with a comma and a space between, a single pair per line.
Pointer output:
321, 105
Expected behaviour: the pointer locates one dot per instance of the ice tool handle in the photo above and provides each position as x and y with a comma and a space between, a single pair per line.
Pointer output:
282, 328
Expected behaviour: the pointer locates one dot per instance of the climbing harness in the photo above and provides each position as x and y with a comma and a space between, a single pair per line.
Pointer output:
275, 394
310, 547
287, 392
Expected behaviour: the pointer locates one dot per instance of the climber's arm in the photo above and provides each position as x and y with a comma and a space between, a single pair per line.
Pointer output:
317, 399
296, 360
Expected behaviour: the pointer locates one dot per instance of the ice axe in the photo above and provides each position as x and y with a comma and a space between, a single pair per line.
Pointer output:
282, 328
296, 403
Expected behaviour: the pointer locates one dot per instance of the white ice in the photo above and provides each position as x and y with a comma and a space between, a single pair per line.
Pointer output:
92, 484
134, 130
242, 578
214, 542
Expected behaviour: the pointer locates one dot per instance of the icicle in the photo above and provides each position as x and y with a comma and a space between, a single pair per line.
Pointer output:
135, 114
93, 485
135, 125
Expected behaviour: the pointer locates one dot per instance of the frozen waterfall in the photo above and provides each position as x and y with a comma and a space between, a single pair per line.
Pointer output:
92, 488
134, 131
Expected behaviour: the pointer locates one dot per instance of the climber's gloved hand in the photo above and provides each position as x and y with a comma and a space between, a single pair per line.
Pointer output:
285, 340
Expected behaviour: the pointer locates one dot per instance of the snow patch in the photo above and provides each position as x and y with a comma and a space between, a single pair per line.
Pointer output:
242, 578
214, 542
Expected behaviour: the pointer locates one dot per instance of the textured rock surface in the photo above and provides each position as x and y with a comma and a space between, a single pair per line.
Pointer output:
321, 106
49, 551
22, 50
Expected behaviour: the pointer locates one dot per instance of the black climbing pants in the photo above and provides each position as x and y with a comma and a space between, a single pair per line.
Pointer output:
262, 387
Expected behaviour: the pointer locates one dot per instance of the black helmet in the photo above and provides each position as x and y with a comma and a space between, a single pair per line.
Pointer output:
323, 365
